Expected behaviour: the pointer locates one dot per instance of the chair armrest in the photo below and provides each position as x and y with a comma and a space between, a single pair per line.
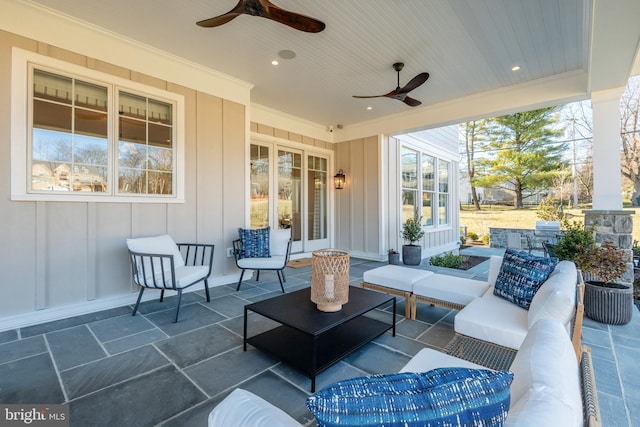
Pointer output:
196, 254
237, 245
153, 270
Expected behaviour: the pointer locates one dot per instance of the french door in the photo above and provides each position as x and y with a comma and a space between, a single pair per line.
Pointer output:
299, 199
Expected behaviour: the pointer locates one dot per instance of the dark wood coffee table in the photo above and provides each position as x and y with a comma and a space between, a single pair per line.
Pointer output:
311, 340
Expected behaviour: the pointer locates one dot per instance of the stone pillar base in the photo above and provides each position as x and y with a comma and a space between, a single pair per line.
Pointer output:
615, 226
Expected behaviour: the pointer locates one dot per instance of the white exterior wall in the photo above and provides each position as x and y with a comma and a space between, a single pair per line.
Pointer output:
68, 258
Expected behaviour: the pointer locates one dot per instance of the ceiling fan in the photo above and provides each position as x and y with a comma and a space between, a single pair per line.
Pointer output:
266, 9
401, 93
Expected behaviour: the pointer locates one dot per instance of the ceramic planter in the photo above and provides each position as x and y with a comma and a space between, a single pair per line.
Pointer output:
609, 303
394, 258
412, 254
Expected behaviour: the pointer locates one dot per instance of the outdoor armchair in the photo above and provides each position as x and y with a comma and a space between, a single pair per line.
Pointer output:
159, 263
276, 258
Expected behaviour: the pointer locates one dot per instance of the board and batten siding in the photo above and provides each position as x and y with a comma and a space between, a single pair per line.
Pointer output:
358, 207
441, 143
64, 258
368, 221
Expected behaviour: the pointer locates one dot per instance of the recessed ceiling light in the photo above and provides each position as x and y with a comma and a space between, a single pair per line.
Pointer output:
369, 108
287, 54
515, 68
275, 62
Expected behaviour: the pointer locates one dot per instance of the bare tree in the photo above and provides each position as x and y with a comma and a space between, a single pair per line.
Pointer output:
630, 135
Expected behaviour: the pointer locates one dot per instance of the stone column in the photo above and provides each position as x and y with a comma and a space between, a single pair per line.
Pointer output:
617, 227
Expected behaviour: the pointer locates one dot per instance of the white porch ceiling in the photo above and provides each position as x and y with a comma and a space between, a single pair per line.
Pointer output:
468, 46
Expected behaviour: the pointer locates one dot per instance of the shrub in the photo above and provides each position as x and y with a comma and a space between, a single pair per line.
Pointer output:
448, 260
472, 235
605, 262
574, 241
485, 239
412, 230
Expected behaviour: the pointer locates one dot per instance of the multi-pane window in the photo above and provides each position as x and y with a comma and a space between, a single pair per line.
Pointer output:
96, 137
428, 188
409, 183
443, 190
70, 147
425, 187
145, 145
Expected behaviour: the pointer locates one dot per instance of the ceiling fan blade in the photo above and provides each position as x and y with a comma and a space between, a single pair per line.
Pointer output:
411, 102
218, 20
266, 9
389, 95
238, 10
414, 83
292, 19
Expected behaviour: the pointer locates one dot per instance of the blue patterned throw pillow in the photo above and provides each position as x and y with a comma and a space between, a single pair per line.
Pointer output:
254, 242
440, 397
521, 275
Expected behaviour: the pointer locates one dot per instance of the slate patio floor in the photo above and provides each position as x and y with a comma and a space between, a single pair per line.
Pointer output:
118, 370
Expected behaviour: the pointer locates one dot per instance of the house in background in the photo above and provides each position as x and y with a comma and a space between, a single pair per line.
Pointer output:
183, 144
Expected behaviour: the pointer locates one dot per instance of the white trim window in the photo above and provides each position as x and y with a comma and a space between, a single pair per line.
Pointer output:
87, 135
424, 192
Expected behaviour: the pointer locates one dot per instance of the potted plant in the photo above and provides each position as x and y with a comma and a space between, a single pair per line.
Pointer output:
411, 233
604, 300
394, 257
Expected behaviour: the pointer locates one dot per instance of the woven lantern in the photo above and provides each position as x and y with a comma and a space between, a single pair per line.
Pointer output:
330, 279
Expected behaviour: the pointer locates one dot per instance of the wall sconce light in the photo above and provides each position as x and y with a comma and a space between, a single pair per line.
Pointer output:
339, 180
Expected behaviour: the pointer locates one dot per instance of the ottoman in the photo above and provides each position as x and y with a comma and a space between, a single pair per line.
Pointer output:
446, 291
394, 280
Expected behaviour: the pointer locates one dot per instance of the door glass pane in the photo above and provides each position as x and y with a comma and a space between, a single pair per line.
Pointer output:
317, 198
290, 192
259, 181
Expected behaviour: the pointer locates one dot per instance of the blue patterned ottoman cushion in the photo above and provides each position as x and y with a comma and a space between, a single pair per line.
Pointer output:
255, 242
440, 397
521, 275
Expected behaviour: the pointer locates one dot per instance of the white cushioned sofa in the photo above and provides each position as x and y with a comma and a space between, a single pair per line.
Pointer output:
545, 390
494, 319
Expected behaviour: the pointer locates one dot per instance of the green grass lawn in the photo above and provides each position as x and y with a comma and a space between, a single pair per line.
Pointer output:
479, 222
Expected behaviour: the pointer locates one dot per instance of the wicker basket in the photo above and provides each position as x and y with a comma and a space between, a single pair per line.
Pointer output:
330, 279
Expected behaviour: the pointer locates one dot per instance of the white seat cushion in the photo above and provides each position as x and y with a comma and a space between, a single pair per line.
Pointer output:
185, 276
278, 242
493, 319
428, 359
242, 408
395, 277
163, 244
458, 290
274, 262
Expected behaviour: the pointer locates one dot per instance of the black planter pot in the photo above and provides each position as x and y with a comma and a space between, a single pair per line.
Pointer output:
609, 303
412, 254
